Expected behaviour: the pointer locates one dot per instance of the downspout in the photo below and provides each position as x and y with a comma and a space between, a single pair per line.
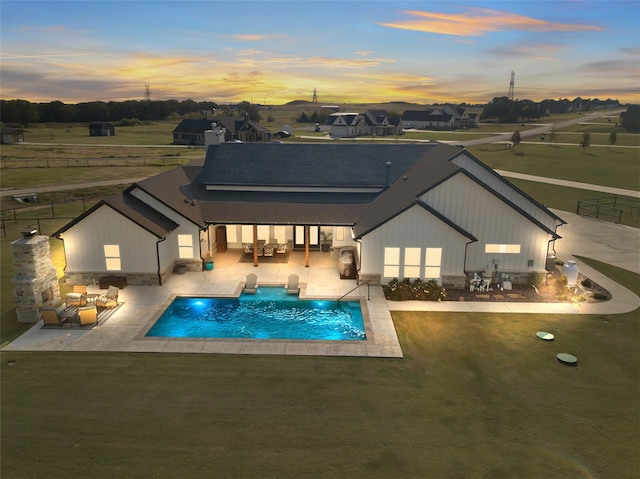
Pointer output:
464, 263
205, 228
64, 269
158, 259
359, 241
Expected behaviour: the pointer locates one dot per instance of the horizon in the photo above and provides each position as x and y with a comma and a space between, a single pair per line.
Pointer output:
276, 52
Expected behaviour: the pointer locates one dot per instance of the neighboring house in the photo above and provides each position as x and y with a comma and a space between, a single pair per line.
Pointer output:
10, 136
101, 128
378, 123
429, 211
441, 118
191, 132
346, 125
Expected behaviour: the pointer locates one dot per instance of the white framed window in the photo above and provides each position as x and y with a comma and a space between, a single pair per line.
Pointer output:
280, 234
340, 233
432, 263
112, 257
391, 268
263, 232
502, 248
412, 262
232, 234
185, 246
247, 233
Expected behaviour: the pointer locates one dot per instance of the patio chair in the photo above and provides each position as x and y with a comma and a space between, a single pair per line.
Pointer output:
87, 315
251, 283
269, 250
247, 248
475, 283
78, 297
109, 299
52, 317
293, 286
282, 248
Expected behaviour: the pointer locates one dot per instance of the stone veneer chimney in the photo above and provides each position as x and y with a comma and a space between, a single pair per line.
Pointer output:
35, 283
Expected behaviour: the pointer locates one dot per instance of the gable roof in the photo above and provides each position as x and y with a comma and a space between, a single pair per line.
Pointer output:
133, 209
195, 127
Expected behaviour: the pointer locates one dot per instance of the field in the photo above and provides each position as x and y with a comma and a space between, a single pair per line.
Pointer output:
475, 396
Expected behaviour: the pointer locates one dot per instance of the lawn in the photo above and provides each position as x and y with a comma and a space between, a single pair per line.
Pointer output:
477, 395
618, 168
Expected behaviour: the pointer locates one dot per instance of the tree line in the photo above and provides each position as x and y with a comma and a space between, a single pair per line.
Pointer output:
23, 112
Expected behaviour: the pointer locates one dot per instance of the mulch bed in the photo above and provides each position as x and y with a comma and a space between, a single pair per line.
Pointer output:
543, 293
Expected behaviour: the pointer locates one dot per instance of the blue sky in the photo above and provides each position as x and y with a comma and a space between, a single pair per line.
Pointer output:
351, 51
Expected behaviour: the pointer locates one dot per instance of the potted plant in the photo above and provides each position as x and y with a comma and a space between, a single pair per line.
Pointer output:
325, 244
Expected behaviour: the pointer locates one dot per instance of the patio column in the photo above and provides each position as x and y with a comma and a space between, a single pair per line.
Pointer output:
306, 245
255, 245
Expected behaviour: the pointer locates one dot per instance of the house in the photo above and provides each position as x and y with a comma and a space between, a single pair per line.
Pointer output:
430, 211
441, 118
191, 131
11, 136
346, 125
101, 128
378, 123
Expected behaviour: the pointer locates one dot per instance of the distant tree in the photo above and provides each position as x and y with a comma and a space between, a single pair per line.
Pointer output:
247, 109
613, 137
92, 111
515, 138
552, 134
303, 118
631, 119
586, 141
20, 112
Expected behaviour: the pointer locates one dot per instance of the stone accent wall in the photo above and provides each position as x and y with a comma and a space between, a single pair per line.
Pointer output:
35, 283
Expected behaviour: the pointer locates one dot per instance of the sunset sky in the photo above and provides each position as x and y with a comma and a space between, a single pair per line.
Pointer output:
274, 52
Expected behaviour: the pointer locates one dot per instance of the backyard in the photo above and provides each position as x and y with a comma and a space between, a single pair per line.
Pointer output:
476, 395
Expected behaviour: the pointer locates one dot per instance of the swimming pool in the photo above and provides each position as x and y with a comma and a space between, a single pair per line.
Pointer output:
270, 313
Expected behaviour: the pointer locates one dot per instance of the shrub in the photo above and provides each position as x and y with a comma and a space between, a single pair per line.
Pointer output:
536, 278
601, 296
561, 284
587, 283
405, 289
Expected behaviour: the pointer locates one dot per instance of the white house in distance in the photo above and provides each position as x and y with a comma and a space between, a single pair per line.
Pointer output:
430, 211
346, 125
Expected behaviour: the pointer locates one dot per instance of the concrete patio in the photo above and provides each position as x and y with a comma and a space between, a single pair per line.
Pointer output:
125, 329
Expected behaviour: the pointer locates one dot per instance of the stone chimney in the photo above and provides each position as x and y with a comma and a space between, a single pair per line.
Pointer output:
35, 283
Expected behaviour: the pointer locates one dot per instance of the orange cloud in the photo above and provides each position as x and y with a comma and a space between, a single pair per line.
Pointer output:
478, 21
250, 37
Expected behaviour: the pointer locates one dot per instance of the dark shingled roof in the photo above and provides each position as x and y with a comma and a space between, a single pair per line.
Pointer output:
135, 210
309, 165
193, 126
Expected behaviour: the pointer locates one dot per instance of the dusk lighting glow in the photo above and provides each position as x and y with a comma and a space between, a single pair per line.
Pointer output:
273, 52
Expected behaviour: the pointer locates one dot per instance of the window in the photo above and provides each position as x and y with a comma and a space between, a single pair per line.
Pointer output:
502, 248
112, 257
391, 267
232, 234
247, 233
432, 263
339, 233
185, 246
412, 262
263, 233
280, 234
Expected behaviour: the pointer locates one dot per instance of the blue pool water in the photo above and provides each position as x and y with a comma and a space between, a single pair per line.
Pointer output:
268, 314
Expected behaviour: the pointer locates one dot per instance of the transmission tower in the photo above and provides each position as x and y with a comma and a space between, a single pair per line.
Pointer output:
511, 85
315, 96
147, 92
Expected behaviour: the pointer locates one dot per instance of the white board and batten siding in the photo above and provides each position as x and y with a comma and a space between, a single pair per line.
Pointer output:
491, 221
85, 243
170, 248
506, 190
414, 228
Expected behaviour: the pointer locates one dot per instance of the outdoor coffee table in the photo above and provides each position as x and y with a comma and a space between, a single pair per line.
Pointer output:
91, 298
71, 315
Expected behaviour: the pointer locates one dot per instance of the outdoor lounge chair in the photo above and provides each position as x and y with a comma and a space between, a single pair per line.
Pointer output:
282, 248
78, 297
251, 284
293, 286
109, 299
52, 317
269, 250
87, 315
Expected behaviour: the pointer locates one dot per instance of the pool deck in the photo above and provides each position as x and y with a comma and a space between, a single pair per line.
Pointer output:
124, 330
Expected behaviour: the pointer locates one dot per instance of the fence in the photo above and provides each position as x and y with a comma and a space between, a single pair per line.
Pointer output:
609, 208
45, 218
86, 162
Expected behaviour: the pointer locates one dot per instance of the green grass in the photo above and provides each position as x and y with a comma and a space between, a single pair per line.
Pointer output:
617, 168
477, 395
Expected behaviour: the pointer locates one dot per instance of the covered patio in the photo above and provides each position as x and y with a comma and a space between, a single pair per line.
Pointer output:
141, 305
